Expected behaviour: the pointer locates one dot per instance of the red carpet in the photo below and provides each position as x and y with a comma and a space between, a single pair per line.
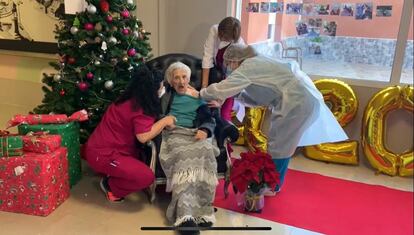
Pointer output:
334, 206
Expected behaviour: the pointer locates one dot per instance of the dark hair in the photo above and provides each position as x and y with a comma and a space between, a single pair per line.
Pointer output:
229, 29
143, 91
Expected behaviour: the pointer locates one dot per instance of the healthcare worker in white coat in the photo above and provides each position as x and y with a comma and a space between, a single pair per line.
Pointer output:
299, 116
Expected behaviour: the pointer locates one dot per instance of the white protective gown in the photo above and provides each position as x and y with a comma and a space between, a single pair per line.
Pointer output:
299, 116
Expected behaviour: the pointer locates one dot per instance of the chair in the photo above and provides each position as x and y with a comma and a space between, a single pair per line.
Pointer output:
225, 132
297, 53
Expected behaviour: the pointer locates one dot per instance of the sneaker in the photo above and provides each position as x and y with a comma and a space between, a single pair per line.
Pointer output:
189, 224
109, 195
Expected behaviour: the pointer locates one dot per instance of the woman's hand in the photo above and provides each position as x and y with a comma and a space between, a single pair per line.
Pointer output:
192, 92
201, 135
169, 121
214, 103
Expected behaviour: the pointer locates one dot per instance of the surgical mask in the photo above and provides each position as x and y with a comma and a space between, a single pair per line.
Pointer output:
228, 71
161, 92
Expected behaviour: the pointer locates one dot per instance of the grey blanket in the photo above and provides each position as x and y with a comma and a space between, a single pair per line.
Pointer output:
191, 169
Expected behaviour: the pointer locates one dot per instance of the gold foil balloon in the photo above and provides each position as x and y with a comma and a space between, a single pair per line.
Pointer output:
253, 121
342, 101
373, 131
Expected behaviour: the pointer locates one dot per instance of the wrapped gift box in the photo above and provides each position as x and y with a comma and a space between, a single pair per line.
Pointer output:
11, 146
41, 143
34, 184
69, 133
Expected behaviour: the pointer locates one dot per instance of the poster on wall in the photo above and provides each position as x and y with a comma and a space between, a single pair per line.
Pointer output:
323, 9
347, 9
315, 22
264, 7
301, 28
253, 7
384, 11
18, 29
309, 10
294, 8
329, 28
336, 8
363, 11
276, 7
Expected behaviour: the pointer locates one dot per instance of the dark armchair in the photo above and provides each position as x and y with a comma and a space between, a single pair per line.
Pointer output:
225, 132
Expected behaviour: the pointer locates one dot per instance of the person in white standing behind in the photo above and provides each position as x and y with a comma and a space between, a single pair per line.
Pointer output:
299, 116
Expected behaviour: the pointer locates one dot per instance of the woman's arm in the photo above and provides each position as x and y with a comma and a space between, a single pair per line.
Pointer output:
208, 56
204, 78
156, 129
229, 87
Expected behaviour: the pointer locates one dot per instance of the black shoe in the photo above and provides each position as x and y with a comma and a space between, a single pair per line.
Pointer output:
189, 224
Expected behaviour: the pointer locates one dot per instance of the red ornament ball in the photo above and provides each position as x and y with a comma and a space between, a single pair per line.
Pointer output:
109, 18
125, 31
89, 75
83, 86
88, 26
62, 92
71, 60
104, 5
132, 52
125, 13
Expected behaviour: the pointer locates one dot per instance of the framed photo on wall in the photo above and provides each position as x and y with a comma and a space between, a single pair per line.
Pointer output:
29, 25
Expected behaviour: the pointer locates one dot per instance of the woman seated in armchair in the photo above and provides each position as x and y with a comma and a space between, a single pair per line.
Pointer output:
187, 154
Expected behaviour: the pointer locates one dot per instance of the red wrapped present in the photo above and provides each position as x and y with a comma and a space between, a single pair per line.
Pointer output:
34, 119
34, 184
41, 142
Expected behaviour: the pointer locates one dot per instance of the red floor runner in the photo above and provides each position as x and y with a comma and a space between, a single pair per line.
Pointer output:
334, 206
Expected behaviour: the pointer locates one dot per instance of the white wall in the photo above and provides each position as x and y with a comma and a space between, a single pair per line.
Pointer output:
147, 12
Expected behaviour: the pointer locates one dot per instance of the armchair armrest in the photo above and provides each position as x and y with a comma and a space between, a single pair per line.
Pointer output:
226, 131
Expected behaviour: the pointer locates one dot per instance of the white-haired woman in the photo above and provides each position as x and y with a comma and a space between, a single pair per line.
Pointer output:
187, 154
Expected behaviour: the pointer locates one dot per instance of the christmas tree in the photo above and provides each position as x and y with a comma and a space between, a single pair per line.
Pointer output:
99, 49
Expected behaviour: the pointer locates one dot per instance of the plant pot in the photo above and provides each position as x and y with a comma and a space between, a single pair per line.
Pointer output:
253, 202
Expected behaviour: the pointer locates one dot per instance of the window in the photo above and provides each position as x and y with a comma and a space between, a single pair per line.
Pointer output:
351, 40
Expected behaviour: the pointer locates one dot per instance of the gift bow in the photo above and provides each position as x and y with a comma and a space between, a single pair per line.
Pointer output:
253, 199
36, 135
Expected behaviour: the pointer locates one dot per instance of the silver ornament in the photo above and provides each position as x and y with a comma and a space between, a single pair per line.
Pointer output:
136, 34
104, 47
130, 2
57, 77
112, 40
109, 85
99, 79
91, 9
101, 56
97, 62
130, 68
74, 30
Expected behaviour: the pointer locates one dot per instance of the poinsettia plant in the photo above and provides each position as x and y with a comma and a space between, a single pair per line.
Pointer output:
254, 171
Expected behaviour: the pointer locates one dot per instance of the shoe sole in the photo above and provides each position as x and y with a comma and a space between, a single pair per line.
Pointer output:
106, 193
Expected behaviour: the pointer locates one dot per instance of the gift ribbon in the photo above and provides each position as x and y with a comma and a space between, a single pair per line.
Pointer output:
5, 145
253, 201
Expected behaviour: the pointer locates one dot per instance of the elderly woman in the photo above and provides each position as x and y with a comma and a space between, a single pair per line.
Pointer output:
187, 154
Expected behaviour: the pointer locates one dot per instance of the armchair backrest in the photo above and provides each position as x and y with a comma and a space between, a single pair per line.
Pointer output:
162, 62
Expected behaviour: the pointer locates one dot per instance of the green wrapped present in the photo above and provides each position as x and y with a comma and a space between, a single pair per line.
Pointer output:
11, 146
70, 139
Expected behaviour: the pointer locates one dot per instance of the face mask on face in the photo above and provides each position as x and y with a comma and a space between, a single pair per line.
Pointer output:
228, 71
161, 92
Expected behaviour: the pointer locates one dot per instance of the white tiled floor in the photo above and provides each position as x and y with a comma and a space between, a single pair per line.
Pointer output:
88, 212
353, 71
